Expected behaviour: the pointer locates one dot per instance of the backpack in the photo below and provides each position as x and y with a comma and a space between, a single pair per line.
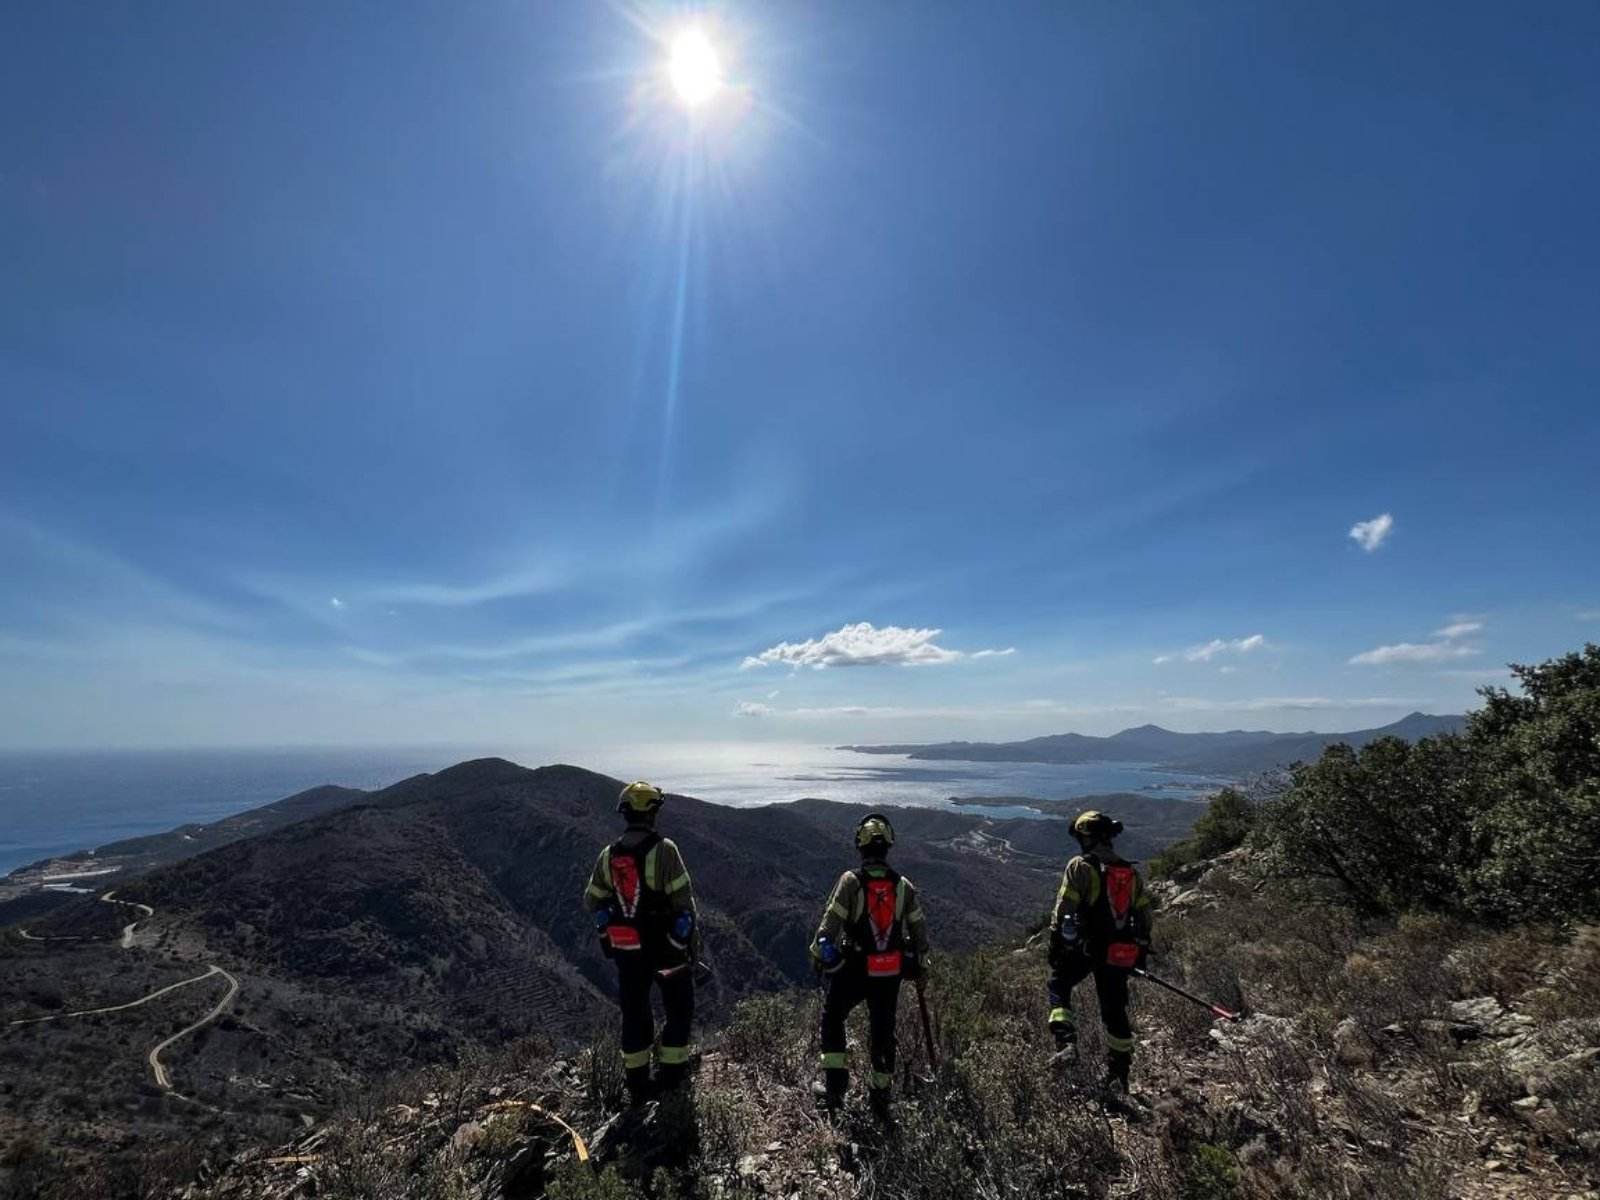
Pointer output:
878, 931
1113, 913
637, 911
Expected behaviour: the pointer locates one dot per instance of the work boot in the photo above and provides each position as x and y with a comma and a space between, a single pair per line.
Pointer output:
1066, 1055
637, 1081
1117, 1067
829, 1098
878, 1100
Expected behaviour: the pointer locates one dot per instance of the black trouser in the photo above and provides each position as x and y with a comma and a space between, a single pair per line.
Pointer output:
1069, 968
636, 970
848, 987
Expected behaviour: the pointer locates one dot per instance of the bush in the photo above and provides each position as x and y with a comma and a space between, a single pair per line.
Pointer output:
1502, 823
1224, 826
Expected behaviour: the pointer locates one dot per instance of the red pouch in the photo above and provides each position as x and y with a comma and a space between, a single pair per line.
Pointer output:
623, 937
1123, 954
880, 965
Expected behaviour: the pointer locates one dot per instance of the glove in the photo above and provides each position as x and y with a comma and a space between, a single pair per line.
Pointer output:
1144, 952
682, 929
828, 956
1068, 931
911, 966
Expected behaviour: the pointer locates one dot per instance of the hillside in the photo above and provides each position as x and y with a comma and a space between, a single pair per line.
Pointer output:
1390, 1060
26, 892
1235, 753
425, 920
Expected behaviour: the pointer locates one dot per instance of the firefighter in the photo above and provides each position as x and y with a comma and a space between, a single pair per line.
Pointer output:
644, 913
1100, 927
873, 934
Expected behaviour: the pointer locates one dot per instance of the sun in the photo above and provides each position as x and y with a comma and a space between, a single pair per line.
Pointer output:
695, 70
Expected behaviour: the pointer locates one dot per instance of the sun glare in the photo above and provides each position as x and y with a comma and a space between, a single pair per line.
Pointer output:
695, 70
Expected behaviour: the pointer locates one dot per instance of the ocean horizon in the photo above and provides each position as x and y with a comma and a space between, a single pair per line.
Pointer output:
58, 802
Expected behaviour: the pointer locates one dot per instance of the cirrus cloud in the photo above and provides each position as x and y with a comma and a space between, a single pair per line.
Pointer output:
1413, 652
1207, 651
864, 645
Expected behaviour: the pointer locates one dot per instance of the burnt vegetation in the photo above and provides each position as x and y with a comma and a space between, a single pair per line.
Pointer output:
1410, 929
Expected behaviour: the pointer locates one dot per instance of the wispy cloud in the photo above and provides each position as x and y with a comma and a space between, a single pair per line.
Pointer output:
864, 645
335, 602
995, 653
1459, 629
1589, 614
1413, 652
752, 708
1369, 535
1207, 651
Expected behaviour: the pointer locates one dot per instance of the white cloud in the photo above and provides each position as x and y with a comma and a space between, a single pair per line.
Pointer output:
1458, 629
1226, 670
335, 601
1413, 652
863, 645
995, 653
1369, 535
1207, 651
752, 708
1589, 614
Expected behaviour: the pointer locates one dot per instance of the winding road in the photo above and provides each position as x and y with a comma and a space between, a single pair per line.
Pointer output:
90, 1012
127, 930
163, 1080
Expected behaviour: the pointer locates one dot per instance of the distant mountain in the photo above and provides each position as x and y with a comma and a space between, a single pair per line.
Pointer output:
451, 902
1236, 752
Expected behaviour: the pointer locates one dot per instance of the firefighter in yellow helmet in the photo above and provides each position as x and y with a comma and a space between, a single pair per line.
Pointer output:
644, 912
1100, 927
872, 935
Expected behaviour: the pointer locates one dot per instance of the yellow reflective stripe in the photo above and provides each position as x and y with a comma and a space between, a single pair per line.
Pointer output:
678, 884
835, 1060
1069, 893
1061, 1016
672, 1056
638, 1058
880, 1081
650, 861
839, 911
900, 898
1119, 1044
917, 915
599, 891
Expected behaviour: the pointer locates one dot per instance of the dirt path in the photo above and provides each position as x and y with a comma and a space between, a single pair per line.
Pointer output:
154, 1057
127, 930
90, 1012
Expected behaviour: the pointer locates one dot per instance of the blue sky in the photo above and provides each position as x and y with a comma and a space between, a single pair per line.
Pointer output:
430, 373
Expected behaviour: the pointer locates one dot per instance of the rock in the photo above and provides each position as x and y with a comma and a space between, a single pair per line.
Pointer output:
1480, 1013
466, 1136
773, 1147
1350, 1044
1564, 1075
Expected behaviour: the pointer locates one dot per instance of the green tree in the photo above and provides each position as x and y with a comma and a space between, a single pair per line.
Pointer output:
1539, 759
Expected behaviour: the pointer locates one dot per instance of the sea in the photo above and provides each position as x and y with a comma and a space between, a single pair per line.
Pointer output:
58, 802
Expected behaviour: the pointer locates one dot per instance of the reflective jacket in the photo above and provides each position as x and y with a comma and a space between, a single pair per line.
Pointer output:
1082, 893
845, 914
665, 879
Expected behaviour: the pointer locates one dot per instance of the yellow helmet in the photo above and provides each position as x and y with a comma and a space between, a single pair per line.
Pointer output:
639, 798
874, 827
1092, 826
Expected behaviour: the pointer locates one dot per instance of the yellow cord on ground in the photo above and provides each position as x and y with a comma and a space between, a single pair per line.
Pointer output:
578, 1143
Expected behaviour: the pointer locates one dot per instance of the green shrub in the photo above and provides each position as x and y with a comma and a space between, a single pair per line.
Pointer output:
1502, 823
1210, 1173
1224, 826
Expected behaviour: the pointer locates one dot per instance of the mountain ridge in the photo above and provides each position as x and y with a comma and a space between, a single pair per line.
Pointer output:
1235, 751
